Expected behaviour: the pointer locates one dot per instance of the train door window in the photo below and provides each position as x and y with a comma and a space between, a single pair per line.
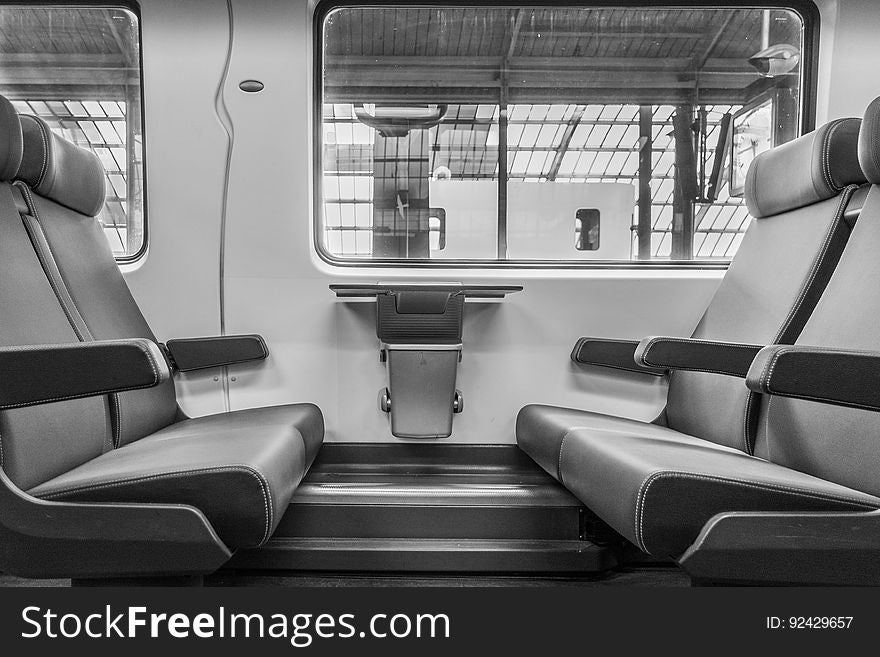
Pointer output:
514, 119
586, 229
78, 68
437, 229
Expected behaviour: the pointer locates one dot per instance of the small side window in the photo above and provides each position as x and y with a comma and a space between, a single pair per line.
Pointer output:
78, 69
437, 229
586, 229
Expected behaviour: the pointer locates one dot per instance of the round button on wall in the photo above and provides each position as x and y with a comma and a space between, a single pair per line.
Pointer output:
251, 86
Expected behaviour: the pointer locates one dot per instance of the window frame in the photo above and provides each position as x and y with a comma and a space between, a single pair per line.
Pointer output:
805, 9
134, 7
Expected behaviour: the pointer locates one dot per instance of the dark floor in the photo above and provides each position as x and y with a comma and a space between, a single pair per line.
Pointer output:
648, 576
653, 577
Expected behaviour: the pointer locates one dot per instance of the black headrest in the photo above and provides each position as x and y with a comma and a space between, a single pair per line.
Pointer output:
10, 140
869, 143
805, 170
60, 170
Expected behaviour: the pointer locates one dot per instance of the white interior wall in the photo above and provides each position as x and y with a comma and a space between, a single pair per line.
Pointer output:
184, 48
848, 57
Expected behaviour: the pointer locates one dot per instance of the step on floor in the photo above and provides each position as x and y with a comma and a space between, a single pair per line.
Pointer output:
415, 507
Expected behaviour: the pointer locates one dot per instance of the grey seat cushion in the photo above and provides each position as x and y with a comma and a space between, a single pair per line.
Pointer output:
240, 469
541, 430
659, 489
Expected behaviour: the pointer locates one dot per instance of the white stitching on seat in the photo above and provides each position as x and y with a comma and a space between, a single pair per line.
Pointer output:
265, 489
622, 368
45, 165
826, 156
768, 370
778, 488
559, 457
770, 366
763, 378
653, 341
97, 393
826, 150
749, 403
45, 168
823, 158
116, 413
119, 422
84, 345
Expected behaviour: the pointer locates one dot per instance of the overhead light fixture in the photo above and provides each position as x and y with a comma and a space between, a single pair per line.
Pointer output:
399, 121
775, 60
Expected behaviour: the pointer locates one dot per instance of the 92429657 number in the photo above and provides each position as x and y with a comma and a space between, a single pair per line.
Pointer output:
809, 623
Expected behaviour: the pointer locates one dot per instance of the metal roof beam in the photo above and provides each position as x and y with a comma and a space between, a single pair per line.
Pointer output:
636, 95
702, 59
616, 34
73, 60
51, 76
334, 64
565, 142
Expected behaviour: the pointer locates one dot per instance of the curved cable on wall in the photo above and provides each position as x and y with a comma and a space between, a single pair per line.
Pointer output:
225, 120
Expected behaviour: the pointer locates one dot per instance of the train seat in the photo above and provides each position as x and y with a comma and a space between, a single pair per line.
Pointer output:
799, 230
131, 446
240, 469
815, 449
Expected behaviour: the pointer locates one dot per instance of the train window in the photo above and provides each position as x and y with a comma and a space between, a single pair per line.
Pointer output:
78, 68
513, 118
586, 229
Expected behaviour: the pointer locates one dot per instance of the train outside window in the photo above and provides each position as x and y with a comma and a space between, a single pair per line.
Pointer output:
512, 119
78, 68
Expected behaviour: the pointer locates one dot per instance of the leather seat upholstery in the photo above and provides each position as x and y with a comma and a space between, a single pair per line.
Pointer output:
58, 169
542, 431
658, 484
769, 290
835, 443
39, 442
239, 469
78, 259
658, 489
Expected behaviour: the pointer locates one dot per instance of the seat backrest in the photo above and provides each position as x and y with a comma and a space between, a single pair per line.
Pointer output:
796, 194
838, 444
39, 442
63, 185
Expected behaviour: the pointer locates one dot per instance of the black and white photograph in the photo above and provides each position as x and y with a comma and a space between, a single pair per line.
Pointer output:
426, 327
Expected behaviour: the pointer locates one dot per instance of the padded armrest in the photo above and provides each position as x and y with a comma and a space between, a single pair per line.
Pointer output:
833, 376
39, 374
730, 358
189, 354
607, 352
